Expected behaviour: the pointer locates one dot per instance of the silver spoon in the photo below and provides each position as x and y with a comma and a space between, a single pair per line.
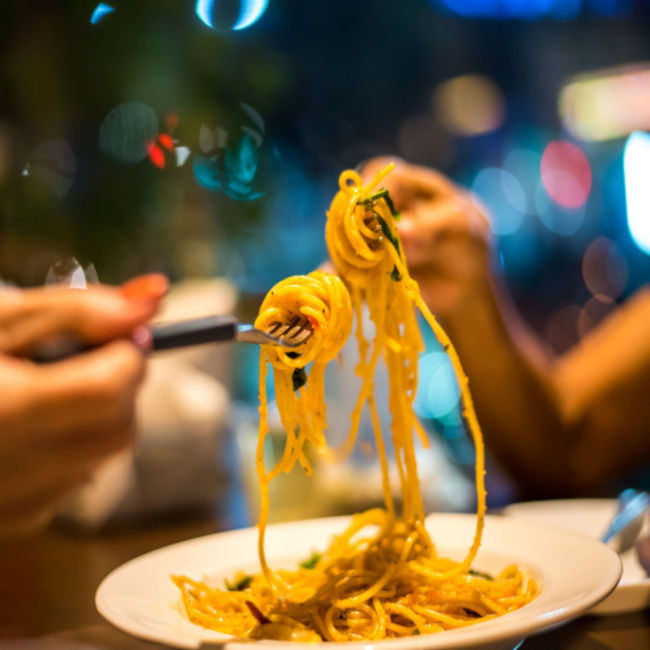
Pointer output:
626, 525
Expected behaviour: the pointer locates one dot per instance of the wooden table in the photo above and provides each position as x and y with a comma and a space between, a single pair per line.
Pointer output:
47, 588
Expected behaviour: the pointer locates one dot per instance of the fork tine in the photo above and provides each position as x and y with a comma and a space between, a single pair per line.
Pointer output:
273, 327
300, 337
297, 331
281, 329
291, 334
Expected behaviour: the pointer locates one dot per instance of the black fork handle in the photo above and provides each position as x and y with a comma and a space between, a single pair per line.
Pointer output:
164, 336
197, 331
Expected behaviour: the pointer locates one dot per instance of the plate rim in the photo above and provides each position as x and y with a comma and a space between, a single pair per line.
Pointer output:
518, 629
630, 588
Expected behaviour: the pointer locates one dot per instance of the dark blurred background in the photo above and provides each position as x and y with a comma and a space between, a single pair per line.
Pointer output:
204, 138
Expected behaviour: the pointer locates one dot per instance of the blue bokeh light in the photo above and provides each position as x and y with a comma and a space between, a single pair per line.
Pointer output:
504, 198
101, 10
524, 9
559, 220
250, 11
438, 392
233, 173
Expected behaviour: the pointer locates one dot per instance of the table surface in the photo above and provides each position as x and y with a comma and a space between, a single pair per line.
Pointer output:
48, 583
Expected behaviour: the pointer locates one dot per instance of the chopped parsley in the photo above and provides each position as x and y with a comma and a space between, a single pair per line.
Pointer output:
239, 585
312, 561
382, 194
480, 574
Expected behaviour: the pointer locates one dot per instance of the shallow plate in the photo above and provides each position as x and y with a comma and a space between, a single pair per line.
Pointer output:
591, 517
575, 572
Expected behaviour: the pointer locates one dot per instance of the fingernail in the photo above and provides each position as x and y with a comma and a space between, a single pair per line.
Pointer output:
151, 286
142, 338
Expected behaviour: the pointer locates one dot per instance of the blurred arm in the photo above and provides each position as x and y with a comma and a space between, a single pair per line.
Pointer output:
559, 426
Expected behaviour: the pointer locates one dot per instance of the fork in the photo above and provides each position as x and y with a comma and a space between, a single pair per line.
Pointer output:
297, 331
196, 331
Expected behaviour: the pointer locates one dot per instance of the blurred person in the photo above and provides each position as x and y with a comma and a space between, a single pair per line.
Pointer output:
560, 425
60, 421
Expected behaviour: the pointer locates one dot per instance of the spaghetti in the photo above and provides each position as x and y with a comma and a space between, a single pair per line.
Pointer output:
382, 577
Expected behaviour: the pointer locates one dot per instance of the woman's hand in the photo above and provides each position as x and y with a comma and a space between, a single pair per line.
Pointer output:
59, 421
444, 234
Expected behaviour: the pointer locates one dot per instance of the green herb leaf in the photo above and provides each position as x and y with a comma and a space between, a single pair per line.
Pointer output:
299, 378
387, 233
312, 561
480, 574
395, 274
382, 194
415, 632
239, 585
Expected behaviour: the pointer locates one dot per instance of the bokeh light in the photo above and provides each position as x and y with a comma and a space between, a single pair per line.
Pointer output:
608, 103
562, 328
224, 15
524, 165
101, 10
233, 156
561, 221
69, 273
566, 174
127, 132
469, 105
182, 154
636, 163
438, 392
524, 9
160, 149
53, 163
604, 270
593, 312
503, 196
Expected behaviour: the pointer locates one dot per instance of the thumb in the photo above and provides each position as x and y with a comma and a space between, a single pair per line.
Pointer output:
94, 315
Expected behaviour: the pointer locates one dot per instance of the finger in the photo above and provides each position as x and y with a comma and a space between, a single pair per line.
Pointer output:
84, 393
96, 314
408, 183
419, 230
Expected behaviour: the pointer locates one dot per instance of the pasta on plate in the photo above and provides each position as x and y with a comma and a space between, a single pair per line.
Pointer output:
381, 577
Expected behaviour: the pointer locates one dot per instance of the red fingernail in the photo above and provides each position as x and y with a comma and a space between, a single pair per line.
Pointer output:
151, 286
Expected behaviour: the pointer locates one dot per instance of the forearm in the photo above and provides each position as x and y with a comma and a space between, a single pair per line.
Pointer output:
511, 384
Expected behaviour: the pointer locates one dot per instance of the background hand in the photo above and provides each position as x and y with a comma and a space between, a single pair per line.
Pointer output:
444, 234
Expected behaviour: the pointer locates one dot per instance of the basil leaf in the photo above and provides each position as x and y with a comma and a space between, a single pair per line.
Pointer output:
239, 585
299, 378
312, 561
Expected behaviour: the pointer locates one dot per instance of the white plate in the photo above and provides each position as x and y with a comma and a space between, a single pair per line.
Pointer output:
575, 573
591, 517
